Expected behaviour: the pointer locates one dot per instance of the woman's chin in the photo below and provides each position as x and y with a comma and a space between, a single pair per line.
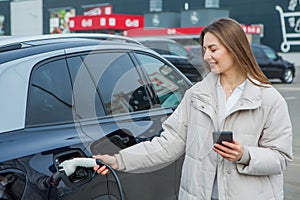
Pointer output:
215, 70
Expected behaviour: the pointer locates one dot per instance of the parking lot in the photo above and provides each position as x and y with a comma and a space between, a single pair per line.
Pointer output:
291, 93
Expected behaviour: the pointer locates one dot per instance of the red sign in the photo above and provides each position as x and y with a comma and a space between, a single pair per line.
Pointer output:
113, 21
252, 29
134, 25
163, 31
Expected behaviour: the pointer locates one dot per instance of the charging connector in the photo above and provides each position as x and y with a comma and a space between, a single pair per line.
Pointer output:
69, 167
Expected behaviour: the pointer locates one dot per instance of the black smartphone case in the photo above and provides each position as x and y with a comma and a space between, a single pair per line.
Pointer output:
220, 136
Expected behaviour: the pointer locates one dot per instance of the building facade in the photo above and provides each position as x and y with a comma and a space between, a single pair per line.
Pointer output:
279, 19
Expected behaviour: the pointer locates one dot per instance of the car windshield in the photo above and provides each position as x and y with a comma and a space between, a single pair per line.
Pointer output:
270, 53
177, 50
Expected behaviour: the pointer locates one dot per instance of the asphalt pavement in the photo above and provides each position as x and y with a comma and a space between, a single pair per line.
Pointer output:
291, 93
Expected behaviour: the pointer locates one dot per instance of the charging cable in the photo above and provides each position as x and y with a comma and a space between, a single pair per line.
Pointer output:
69, 167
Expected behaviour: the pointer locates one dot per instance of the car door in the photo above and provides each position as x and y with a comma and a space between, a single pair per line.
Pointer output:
276, 66
130, 116
169, 86
27, 171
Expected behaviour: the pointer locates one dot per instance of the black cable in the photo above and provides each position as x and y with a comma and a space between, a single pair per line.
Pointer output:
99, 162
55, 177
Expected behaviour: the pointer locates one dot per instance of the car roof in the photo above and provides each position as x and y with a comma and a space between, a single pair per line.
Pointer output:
18, 50
21, 46
17, 47
5, 37
155, 39
97, 36
259, 45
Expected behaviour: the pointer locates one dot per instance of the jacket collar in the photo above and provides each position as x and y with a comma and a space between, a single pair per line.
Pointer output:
252, 93
206, 89
251, 97
206, 94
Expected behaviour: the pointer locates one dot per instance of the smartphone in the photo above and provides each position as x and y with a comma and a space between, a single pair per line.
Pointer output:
220, 136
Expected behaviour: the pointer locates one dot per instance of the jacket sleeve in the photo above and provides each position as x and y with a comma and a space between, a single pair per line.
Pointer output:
162, 150
274, 150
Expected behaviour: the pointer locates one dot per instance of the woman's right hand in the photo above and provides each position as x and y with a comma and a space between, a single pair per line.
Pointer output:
110, 160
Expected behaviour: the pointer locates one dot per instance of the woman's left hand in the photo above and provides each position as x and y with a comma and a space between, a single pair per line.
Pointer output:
230, 151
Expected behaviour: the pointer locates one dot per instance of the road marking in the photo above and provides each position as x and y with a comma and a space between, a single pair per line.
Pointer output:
296, 157
294, 164
295, 161
289, 88
290, 98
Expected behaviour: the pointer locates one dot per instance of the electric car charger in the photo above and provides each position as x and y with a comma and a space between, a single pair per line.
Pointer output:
69, 167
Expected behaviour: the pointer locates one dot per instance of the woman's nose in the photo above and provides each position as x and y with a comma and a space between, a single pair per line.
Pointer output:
207, 56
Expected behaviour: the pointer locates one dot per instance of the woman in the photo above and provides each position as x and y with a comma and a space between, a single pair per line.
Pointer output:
235, 96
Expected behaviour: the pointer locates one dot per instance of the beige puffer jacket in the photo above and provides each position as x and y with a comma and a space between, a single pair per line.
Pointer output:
259, 121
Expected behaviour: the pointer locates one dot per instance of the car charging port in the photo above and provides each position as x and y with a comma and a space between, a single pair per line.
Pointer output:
80, 176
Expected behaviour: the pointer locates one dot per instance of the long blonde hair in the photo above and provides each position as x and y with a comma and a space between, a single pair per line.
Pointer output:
232, 36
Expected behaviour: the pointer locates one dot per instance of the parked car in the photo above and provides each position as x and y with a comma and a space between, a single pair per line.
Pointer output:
189, 64
63, 98
273, 66
196, 50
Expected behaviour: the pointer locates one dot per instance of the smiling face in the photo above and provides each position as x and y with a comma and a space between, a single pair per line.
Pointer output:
227, 50
216, 55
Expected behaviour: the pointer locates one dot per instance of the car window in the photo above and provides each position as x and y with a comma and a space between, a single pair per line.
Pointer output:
160, 47
169, 85
175, 49
50, 94
196, 52
87, 102
269, 53
118, 81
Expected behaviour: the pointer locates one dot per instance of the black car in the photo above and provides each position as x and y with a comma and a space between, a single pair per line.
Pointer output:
273, 66
65, 98
190, 65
